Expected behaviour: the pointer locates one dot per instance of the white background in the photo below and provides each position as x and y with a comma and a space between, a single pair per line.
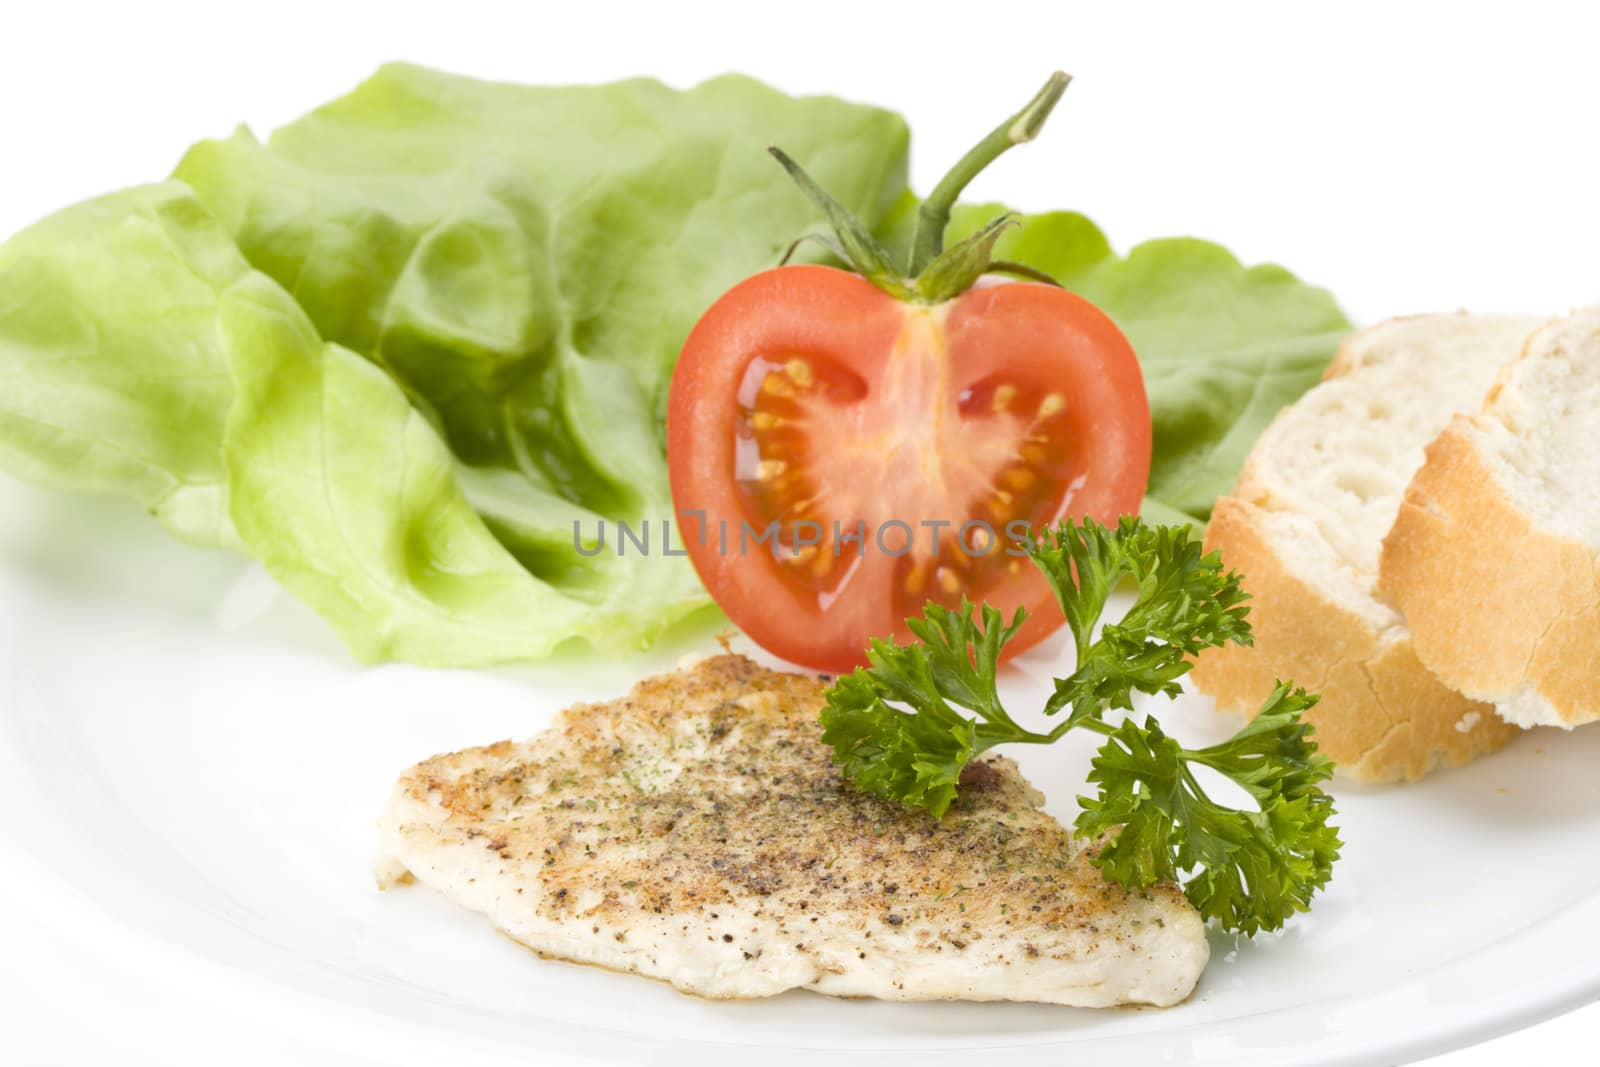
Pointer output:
1408, 157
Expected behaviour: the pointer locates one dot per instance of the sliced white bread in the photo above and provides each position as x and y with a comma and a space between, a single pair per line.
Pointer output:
1495, 555
1305, 526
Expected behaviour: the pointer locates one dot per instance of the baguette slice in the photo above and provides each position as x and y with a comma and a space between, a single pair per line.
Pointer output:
1305, 526
1495, 555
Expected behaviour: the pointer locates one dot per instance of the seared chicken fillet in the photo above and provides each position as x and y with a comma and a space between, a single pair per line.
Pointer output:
696, 831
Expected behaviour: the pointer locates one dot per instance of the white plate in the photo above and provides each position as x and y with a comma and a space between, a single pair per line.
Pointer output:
190, 768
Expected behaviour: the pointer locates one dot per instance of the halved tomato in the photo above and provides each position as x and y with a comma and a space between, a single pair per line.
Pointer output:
899, 447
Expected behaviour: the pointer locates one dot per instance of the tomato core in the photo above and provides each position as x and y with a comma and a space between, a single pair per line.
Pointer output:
816, 447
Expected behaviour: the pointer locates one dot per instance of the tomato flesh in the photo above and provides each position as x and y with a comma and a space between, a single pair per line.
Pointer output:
809, 399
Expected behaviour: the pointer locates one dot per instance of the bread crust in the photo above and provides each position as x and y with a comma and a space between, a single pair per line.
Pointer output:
1382, 717
1500, 609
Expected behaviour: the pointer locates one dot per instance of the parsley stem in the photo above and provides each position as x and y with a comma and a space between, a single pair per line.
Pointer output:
1061, 730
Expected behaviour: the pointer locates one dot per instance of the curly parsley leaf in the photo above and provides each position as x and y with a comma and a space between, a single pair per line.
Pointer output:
1254, 869
916, 756
906, 726
1185, 603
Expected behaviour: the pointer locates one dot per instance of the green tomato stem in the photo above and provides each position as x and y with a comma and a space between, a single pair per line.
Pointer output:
934, 215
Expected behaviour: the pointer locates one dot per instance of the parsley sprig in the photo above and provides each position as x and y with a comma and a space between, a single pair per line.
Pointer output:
905, 726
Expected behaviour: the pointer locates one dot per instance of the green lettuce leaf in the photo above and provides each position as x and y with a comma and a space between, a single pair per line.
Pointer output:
400, 351
147, 357
527, 261
109, 382
1223, 346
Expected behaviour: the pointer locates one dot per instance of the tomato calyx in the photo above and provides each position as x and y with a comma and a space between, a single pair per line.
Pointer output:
934, 274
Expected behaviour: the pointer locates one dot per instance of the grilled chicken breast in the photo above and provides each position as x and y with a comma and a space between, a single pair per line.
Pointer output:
696, 831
